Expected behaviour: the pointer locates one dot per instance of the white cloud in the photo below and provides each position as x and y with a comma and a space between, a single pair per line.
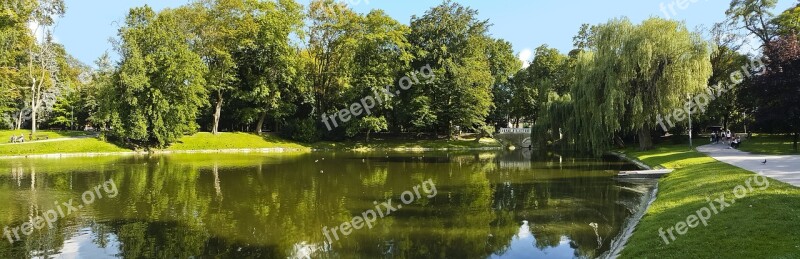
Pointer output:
525, 56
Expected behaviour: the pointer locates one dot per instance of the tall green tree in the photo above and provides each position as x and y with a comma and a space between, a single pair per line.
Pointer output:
453, 41
43, 67
268, 64
634, 75
159, 85
15, 39
504, 66
777, 92
755, 16
332, 39
381, 58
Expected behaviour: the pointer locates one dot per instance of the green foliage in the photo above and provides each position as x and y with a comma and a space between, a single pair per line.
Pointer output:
303, 130
632, 75
788, 22
754, 16
159, 86
451, 39
368, 124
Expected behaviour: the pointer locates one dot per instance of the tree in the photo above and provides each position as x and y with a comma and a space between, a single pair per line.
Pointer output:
504, 65
15, 39
755, 17
221, 27
381, 58
268, 65
332, 41
788, 22
451, 39
777, 91
43, 67
158, 87
633, 75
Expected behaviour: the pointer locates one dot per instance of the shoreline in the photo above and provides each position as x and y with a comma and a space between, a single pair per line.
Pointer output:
620, 241
238, 151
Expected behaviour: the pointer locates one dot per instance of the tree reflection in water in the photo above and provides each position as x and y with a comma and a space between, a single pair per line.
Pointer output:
489, 204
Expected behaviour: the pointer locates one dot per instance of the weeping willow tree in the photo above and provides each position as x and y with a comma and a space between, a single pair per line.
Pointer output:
631, 75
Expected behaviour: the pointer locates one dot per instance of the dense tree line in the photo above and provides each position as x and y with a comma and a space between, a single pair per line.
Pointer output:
622, 80
250, 65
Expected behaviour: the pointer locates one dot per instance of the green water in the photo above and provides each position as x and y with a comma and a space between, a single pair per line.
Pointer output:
457, 205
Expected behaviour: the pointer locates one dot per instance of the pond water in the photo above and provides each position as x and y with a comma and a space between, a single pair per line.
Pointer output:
433, 205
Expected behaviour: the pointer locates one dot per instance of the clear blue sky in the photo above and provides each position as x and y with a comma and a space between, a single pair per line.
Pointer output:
89, 24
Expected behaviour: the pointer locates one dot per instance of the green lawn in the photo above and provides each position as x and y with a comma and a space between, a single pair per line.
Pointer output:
84, 145
222, 141
208, 141
769, 144
762, 224
408, 144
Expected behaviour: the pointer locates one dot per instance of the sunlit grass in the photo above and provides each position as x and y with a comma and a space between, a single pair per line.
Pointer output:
760, 225
222, 141
84, 145
769, 144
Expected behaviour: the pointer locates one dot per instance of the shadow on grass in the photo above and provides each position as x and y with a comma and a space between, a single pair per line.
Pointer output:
756, 226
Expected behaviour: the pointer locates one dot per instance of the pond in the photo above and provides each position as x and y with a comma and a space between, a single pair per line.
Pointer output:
481, 204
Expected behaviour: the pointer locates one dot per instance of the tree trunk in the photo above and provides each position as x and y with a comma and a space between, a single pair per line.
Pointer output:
33, 107
260, 124
796, 137
19, 120
645, 139
217, 111
368, 131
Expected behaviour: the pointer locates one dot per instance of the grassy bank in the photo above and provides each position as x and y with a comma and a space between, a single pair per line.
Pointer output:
762, 224
79, 142
770, 145
83, 145
208, 141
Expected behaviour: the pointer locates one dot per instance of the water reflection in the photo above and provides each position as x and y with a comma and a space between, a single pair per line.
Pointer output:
489, 204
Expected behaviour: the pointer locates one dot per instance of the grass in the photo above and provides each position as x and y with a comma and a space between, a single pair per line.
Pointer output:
408, 144
770, 145
208, 141
222, 141
84, 145
759, 225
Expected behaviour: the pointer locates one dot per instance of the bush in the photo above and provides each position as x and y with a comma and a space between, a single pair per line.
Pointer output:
303, 130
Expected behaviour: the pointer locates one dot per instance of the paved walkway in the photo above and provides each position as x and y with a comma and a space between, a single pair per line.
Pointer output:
785, 168
48, 140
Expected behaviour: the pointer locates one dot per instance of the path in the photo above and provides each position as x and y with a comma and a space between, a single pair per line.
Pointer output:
785, 168
49, 140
